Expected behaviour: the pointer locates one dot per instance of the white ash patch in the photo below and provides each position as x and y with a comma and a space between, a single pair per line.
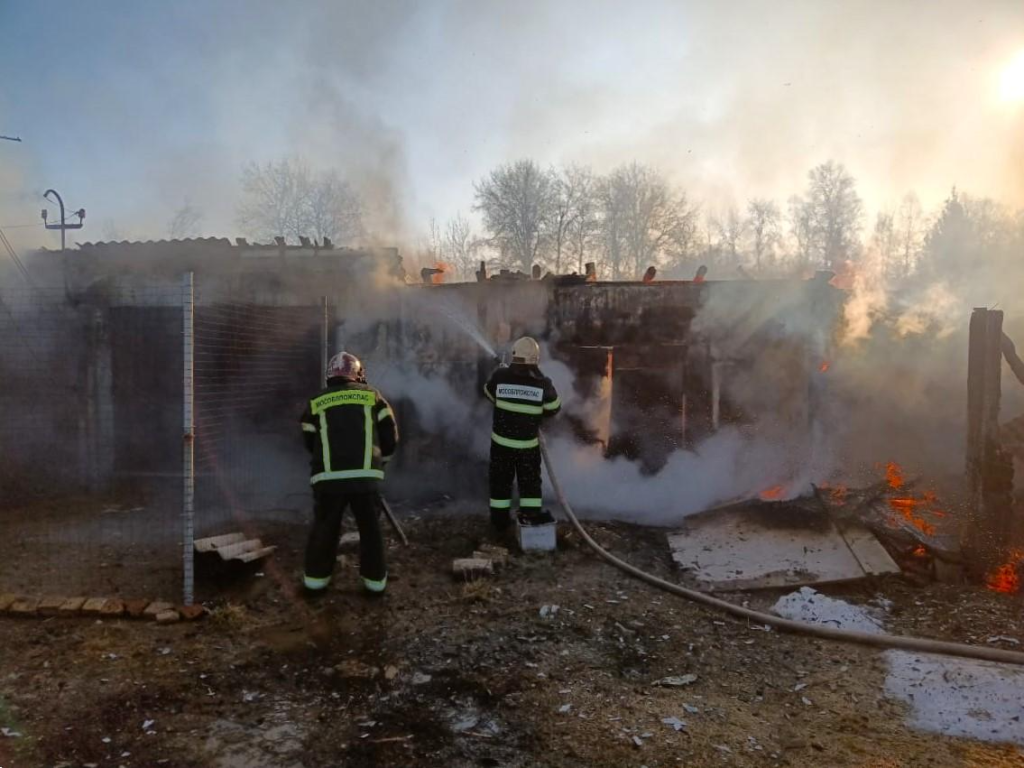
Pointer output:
946, 695
812, 607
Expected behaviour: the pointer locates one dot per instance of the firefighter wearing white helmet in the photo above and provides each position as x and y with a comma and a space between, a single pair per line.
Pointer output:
523, 397
351, 435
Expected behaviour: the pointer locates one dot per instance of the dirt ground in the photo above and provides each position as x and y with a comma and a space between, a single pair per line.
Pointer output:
441, 673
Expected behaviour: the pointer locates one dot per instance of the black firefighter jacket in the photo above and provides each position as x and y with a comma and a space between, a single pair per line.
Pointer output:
522, 397
351, 434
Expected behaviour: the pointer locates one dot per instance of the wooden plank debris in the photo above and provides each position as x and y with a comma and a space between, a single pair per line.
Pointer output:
234, 547
211, 543
764, 545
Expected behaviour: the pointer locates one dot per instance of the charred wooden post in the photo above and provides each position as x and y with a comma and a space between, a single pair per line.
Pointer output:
985, 534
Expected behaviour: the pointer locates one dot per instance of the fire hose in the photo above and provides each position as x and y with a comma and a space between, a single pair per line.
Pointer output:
896, 642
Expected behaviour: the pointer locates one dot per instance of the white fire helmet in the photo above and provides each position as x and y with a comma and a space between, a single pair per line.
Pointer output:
346, 366
526, 350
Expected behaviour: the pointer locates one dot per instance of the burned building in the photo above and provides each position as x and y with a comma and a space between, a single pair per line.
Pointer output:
98, 356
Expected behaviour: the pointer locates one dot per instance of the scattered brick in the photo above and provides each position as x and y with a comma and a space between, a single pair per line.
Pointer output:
135, 608
72, 605
493, 552
471, 568
94, 605
154, 609
167, 617
497, 555
25, 606
191, 612
6, 601
50, 606
113, 607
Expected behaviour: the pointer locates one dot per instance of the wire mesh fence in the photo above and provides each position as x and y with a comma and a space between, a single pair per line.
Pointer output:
103, 481
138, 416
90, 439
255, 366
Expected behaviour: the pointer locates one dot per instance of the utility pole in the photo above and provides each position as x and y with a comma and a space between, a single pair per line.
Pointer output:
63, 226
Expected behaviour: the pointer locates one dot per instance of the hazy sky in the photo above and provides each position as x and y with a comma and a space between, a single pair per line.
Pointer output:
131, 108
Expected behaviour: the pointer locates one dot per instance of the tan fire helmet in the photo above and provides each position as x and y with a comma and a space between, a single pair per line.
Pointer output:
526, 350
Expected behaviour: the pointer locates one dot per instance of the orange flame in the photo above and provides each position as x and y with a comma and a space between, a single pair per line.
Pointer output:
894, 475
907, 505
438, 277
919, 551
1006, 578
824, 366
837, 493
772, 494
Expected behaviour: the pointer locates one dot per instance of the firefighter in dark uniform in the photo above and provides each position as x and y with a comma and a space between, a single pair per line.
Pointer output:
522, 397
350, 432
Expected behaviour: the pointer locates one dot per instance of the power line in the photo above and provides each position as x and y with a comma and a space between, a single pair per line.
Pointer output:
13, 255
21, 226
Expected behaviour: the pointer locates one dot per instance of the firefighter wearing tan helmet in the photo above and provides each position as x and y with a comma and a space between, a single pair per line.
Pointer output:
351, 435
523, 397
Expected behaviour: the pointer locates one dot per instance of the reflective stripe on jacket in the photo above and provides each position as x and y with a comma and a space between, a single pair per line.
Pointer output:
522, 397
350, 432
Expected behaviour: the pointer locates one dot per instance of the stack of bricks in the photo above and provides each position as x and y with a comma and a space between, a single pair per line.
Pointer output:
98, 607
484, 562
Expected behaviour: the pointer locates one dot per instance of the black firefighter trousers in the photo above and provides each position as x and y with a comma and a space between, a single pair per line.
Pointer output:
508, 465
322, 547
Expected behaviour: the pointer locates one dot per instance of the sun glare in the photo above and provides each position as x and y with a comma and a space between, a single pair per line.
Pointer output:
1011, 82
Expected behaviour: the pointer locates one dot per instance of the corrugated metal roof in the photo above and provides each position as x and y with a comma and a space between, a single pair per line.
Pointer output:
192, 241
240, 244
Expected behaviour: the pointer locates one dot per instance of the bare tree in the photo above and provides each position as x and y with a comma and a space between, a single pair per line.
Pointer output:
910, 232
884, 243
584, 223
646, 221
516, 202
334, 210
433, 248
572, 211
286, 199
460, 246
710, 247
763, 221
730, 228
801, 231
186, 222
834, 211
274, 197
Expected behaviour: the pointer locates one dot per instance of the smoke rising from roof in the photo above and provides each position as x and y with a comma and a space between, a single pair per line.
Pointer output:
412, 103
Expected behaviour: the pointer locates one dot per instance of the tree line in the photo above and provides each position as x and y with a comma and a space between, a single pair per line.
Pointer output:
634, 217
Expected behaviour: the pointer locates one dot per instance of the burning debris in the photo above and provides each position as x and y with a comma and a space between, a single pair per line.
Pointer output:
1006, 578
809, 539
891, 509
772, 494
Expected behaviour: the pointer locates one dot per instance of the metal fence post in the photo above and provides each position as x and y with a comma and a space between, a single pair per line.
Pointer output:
188, 437
325, 334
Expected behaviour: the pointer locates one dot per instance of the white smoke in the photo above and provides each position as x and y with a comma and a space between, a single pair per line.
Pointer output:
937, 310
726, 467
440, 408
731, 465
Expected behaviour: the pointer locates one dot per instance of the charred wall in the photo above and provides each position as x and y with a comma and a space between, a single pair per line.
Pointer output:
673, 361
